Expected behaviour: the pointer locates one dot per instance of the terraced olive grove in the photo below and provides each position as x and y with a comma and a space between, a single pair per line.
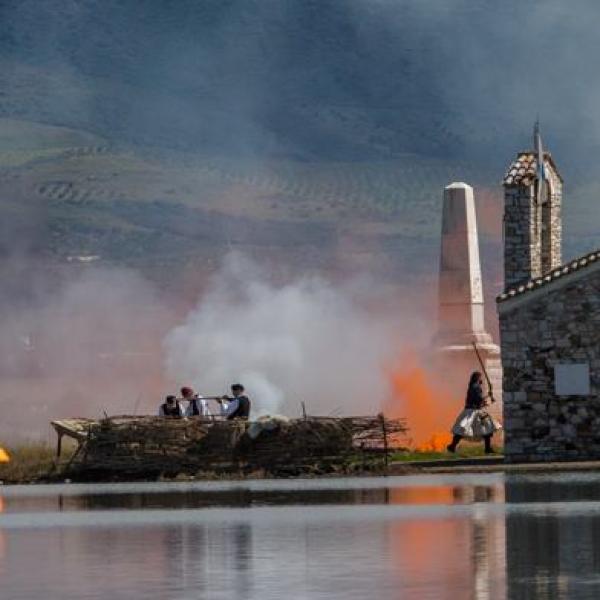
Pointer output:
315, 133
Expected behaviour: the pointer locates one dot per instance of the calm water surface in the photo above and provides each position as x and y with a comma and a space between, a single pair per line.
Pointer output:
457, 537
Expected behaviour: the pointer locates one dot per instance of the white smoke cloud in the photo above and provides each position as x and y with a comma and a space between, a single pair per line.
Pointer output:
303, 341
89, 346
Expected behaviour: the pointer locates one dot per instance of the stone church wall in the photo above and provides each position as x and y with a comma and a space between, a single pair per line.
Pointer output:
557, 324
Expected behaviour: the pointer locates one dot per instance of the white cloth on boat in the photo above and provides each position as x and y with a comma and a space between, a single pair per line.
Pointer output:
265, 423
475, 423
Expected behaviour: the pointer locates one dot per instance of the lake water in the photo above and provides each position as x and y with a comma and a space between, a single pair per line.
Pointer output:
457, 536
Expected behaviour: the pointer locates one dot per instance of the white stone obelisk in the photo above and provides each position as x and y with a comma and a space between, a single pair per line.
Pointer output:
461, 307
461, 317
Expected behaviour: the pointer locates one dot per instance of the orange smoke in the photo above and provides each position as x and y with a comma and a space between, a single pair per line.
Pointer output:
428, 404
4, 457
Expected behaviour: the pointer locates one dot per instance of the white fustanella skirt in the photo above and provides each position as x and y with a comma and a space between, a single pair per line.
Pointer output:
475, 423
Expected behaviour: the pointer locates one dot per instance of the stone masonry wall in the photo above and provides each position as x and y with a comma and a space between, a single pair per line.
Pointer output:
556, 222
557, 325
532, 233
554, 252
522, 248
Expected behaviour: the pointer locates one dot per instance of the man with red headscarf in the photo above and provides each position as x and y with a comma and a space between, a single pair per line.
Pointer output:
197, 406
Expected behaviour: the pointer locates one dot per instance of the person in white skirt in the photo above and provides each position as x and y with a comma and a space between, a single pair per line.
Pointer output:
474, 422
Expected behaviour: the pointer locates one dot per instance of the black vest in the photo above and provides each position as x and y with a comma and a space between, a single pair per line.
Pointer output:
475, 397
171, 411
195, 408
243, 409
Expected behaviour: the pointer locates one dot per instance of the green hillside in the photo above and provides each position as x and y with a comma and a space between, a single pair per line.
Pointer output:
316, 134
149, 207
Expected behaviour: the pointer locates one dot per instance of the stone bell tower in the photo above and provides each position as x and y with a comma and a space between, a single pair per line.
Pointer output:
532, 216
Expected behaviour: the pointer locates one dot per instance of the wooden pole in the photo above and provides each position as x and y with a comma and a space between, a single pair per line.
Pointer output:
385, 442
487, 377
137, 403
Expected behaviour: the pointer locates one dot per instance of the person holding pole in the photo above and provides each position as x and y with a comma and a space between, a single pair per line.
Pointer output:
474, 422
237, 407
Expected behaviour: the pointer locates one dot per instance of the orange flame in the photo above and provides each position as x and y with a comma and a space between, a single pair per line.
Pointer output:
436, 443
4, 457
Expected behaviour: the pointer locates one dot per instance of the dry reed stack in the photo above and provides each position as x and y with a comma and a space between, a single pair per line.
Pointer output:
147, 447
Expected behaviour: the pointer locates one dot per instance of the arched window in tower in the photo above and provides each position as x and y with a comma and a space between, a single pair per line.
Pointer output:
546, 226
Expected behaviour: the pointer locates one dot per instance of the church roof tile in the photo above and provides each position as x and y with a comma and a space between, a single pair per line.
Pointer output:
560, 272
523, 170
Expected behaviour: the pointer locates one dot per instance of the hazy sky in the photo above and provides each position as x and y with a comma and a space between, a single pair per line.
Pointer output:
309, 79
298, 80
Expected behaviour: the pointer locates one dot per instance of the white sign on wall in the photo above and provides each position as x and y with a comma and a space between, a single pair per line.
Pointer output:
572, 379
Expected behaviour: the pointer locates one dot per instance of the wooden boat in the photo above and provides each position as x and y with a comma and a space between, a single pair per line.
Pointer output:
133, 446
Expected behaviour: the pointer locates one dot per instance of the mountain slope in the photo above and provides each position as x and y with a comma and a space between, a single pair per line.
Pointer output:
159, 135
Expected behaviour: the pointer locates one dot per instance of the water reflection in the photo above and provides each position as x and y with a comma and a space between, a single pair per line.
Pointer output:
424, 495
2, 541
553, 554
461, 538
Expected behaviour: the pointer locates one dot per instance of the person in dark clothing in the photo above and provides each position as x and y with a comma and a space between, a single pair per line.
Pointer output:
197, 406
474, 422
475, 398
170, 408
237, 407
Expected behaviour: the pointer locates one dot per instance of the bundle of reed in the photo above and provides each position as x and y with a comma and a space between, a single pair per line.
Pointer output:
378, 433
317, 441
154, 445
157, 444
